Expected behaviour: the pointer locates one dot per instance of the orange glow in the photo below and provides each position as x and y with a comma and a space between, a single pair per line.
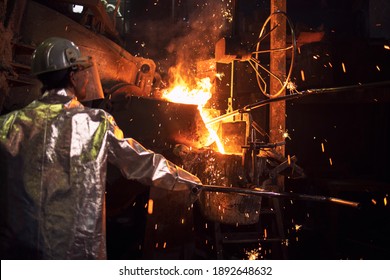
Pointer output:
344, 69
181, 93
253, 254
150, 206
302, 75
199, 94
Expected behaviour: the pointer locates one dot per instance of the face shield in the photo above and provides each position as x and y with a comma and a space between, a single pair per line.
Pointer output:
88, 78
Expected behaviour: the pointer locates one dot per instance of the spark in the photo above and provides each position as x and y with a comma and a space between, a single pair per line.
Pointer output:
373, 201
378, 68
292, 87
253, 254
343, 65
323, 147
330, 161
387, 47
150, 206
227, 15
385, 201
286, 135
302, 75
298, 227
220, 76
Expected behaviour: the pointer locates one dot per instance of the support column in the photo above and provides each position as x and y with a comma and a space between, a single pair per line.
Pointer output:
277, 110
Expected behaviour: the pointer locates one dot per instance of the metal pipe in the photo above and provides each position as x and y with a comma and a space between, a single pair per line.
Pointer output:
298, 94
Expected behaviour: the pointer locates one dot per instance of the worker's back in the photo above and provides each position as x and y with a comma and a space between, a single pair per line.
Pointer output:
53, 180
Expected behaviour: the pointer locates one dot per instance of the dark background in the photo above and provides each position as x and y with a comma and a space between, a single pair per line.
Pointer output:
351, 123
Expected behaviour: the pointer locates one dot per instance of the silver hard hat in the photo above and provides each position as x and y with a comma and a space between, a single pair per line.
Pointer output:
55, 54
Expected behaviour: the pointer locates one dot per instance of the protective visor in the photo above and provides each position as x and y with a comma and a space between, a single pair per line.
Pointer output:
93, 85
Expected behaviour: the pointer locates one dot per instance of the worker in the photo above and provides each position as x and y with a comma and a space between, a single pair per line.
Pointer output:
53, 158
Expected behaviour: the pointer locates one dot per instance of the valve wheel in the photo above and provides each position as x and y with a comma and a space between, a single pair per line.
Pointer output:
261, 57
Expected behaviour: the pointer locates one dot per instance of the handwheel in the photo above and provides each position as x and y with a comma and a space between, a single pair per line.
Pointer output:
260, 58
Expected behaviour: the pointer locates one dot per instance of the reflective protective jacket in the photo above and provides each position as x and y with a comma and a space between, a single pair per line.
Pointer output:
53, 158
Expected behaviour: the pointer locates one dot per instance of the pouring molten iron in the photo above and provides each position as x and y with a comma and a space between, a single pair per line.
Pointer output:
232, 192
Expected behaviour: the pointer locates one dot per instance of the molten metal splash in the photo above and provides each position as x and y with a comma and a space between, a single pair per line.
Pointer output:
180, 92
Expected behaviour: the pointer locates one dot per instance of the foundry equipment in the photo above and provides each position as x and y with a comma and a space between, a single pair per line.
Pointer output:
235, 183
92, 28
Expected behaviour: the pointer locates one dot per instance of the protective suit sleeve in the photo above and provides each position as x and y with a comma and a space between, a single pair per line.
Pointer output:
138, 163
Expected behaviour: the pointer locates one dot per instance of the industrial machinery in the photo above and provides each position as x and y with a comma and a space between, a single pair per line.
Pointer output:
90, 26
235, 182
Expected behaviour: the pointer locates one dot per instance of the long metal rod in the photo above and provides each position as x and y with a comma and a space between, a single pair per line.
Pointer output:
257, 192
299, 94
